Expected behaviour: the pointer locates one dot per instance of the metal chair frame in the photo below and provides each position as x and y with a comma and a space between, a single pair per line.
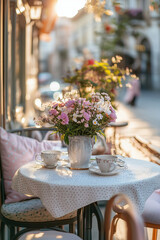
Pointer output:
14, 226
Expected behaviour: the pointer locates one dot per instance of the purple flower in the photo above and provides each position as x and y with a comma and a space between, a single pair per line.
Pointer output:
86, 116
64, 118
86, 103
86, 125
53, 112
54, 105
69, 103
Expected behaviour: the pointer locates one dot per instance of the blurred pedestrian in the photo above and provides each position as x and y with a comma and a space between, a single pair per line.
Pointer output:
133, 91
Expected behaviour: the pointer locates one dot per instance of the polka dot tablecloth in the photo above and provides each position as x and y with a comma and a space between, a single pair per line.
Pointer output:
62, 190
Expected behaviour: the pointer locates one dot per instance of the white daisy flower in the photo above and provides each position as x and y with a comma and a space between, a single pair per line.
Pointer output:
95, 122
99, 116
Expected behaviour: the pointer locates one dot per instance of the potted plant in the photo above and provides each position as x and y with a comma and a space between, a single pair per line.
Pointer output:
96, 76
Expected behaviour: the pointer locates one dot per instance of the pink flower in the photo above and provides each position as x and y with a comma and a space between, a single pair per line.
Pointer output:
86, 116
69, 109
89, 112
53, 112
54, 105
86, 125
113, 114
64, 118
70, 103
86, 103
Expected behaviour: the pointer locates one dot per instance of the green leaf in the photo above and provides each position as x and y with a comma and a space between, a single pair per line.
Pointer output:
62, 137
66, 139
101, 133
54, 132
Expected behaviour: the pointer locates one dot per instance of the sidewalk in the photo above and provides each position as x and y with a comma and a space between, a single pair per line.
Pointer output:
144, 118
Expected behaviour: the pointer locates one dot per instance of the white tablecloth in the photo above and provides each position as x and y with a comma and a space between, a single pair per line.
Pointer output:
63, 191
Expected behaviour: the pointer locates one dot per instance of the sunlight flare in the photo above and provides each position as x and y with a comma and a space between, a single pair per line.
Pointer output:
69, 8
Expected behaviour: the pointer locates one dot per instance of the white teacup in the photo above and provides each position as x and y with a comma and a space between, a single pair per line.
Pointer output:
49, 157
106, 163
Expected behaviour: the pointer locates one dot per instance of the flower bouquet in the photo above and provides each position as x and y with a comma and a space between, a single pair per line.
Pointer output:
78, 120
78, 116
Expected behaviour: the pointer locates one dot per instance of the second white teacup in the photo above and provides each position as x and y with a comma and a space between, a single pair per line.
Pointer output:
106, 163
49, 157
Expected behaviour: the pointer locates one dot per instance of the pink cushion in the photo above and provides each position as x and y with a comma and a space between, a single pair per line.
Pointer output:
151, 213
16, 151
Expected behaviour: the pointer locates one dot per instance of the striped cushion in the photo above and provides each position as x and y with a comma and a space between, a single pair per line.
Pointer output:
30, 211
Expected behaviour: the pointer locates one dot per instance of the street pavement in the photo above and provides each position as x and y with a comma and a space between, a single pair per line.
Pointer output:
144, 118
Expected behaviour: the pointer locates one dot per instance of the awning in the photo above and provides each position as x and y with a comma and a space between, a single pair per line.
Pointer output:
49, 16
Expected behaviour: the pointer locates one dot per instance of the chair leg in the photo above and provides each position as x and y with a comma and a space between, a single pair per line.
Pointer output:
61, 227
113, 226
112, 232
72, 228
154, 235
11, 232
17, 229
2, 230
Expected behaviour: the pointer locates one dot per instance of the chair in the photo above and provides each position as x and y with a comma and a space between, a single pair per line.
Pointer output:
29, 214
135, 226
151, 213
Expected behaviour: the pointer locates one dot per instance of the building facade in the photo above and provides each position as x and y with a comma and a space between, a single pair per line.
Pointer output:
144, 41
19, 61
21, 23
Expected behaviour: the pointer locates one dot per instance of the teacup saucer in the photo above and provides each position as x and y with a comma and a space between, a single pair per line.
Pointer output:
96, 170
49, 166
41, 163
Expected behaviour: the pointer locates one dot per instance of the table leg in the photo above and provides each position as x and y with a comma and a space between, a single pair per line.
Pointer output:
84, 221
80, 222
96, 210
87, 230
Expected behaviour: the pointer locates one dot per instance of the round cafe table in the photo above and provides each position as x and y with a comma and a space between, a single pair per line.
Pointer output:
116, 125
62, 190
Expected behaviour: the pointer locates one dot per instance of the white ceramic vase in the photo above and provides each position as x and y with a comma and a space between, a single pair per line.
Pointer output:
79, 152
